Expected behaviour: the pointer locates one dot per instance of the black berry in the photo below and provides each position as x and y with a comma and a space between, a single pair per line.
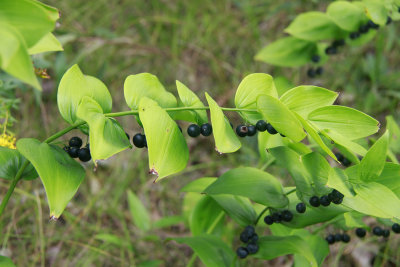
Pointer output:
84, 154
319, 71
363, 28
345, 238
315, 58
314, 201
241, 130
206, 129
331, 50
254, 238
268, 220
139, 140
277, 217
75, 142
339, 157
338, 201
338, 43
261, 125
396, 228
386, 233
372, 25
336, 194
301, 207
287, 216
324, 200
330, 239
354, 35
346, 162
193, 130
338, 237
249, 230
252, 248
311, 73
271, 129
73, 152
251, 130
244, 237
389, 20
377, 231
360, 232
242, 252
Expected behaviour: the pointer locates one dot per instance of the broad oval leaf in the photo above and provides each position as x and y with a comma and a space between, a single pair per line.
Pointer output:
280, 117
11, 161
339, 180
318, 246
106, 136
318, 167
314, 26
198, 185
48, 43
346, 15
6, 262
376, 11
304, 99
345, 142
168, 151
349, 123
287, 52
205, 216
249, 89
259, 186
225, 138
212, 251
146, 85
139, 214
74, 86
60, 174
390, 177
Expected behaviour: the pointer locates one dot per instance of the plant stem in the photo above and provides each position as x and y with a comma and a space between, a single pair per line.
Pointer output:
260, 215
64, 131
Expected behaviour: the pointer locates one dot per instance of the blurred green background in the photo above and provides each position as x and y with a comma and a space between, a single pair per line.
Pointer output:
207, 45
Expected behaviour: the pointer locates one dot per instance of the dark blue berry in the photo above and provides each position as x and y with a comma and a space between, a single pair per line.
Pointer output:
252, 248
389, 20
206, 129
249, 230
319, 71
330, 239
346, 162
337, 201
251, 130
338, 237
73, 152
372, 25
84, 154
360, 232
242, 252
386, 233
193, 130
311, 73
244, 237
254, 238
364, 28
396, 228
261, 125
241, 130
314, 201
377, 231
271, 129
301, 207
331, 50
354, 35
139, 140
315, 58
339, 157
75, 142
345, 238
277, 217
287, 216
268, 220
324, 200
338, 43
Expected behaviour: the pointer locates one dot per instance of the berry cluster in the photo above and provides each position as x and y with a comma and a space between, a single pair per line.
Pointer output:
250, 130
249, 237
331, 239
195, 130
75, 151
345, 161
277, 217
378, 231
335, 197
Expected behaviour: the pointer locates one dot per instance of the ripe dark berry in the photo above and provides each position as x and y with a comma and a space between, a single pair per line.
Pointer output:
338, 43
252, 248
268, 220
319, 71
345, 238
242, 252
241, 130
315, 58
346, 162
324, 200
386, 233
338, 201
261, 125
339, 157
193, 130
338, 237
84, 154
277, 217
337, 194
244, 237
331, 50
377, 231
301, 207
363, 28
206, 129
139, 140
251, 130
396, 228
372, 25
311, 73
354, 35
75, 142
271, 129
73, 152
360, 232
287, 216
389, 20
249, 230
254, 238
314, 201
330, 239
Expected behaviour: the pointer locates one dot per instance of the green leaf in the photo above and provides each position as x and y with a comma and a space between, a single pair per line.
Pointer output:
206, 214
14, 58
11, 161
146, 85
168, 221
212, 251
348, 122
106, 135
394, 134
376, 11
28, 17
198, 185
114, 240
305, 99
287, 52
338, 180
48, 43
238, 208
168, 151
319, 169
139, 214
74, 86
225, 138
190, 99
60, 174
271, 247
345, 142
346, 15
372, 164
390, 177
6, 262
259, 186
280, 117
251, 87
314, 26
318, 246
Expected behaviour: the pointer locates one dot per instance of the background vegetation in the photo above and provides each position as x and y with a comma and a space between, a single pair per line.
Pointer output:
209, 46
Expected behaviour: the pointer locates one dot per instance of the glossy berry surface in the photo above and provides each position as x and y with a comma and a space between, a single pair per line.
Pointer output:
330, 239
244, 237
315, 58
337, 201
73, 152
241, 130
206, 129
311, 73
268, 220
139, 140
252, 248
301, 207
377, 231
271, 129
314, 201
242, 252
360, 232
193, 130
386, 233
75, 142
249, 230
338, 237
287, 216
345, 238
261, 125
84, 154
396, 228
251, 130
253, 238
324, 200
